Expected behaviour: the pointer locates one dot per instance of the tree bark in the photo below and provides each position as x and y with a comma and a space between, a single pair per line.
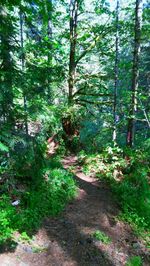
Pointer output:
116, 70
73, 39
49, 57
135, 74
23, 66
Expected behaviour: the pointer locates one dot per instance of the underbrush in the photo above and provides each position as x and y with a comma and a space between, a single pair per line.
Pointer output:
47, 198
128, 174
37, 187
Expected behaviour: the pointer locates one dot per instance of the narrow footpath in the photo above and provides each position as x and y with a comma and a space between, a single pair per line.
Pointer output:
68, 240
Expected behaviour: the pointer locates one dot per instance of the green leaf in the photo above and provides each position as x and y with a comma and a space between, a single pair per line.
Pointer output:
3, 147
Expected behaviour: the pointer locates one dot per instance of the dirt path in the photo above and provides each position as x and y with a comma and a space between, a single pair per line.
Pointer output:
67, 240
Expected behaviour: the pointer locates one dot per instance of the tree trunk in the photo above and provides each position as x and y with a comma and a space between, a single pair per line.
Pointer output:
116, 73
23, 66
73, 38
135, 74
49, 57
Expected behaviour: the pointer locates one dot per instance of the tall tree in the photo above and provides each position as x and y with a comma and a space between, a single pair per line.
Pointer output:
47, 8
23, 68
73, 40
116, 72
135, 74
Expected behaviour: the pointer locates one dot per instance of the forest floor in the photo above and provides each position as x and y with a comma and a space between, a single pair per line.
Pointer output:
67, 240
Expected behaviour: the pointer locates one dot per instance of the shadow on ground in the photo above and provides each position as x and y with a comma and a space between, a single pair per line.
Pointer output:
94, 209
9, 246
72, 232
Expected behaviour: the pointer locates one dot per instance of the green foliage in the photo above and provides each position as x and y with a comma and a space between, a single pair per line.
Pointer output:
101, 236
6, 214
72, 113
134, 261
128, 174
134, 195
24, 237
94, 136
47, 197
3, 148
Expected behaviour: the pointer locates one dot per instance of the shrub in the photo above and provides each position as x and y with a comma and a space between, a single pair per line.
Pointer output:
134, 261
47, 197
128, 174
6, 214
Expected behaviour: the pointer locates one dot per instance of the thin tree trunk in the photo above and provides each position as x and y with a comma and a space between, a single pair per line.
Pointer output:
73, 38
23, 66
49, 57
135, 74
145, 114
49, 27
116, 73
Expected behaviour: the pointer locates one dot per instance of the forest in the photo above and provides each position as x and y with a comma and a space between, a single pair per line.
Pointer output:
75, 132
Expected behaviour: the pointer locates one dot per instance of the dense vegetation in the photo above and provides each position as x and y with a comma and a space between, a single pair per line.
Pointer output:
75, 76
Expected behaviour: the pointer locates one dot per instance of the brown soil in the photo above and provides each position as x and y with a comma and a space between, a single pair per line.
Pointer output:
67, 240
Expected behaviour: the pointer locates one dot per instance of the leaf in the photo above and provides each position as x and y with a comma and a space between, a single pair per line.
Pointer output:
3, 147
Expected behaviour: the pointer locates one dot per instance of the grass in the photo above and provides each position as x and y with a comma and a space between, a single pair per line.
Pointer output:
101, 236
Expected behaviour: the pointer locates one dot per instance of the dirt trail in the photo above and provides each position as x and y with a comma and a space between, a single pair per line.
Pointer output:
67, 240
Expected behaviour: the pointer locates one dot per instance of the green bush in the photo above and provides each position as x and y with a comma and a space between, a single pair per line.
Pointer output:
128, 174
27, 156
47, 197
6, 214
134, 261
133, 191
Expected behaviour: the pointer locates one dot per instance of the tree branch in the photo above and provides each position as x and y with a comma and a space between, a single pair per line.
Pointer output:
88, 49
145, 114
92, 44
92, 102
79, 91
94, 95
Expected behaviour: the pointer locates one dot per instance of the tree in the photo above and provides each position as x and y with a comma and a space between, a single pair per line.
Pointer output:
135, 74
116, 72
74, 6
23, 67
